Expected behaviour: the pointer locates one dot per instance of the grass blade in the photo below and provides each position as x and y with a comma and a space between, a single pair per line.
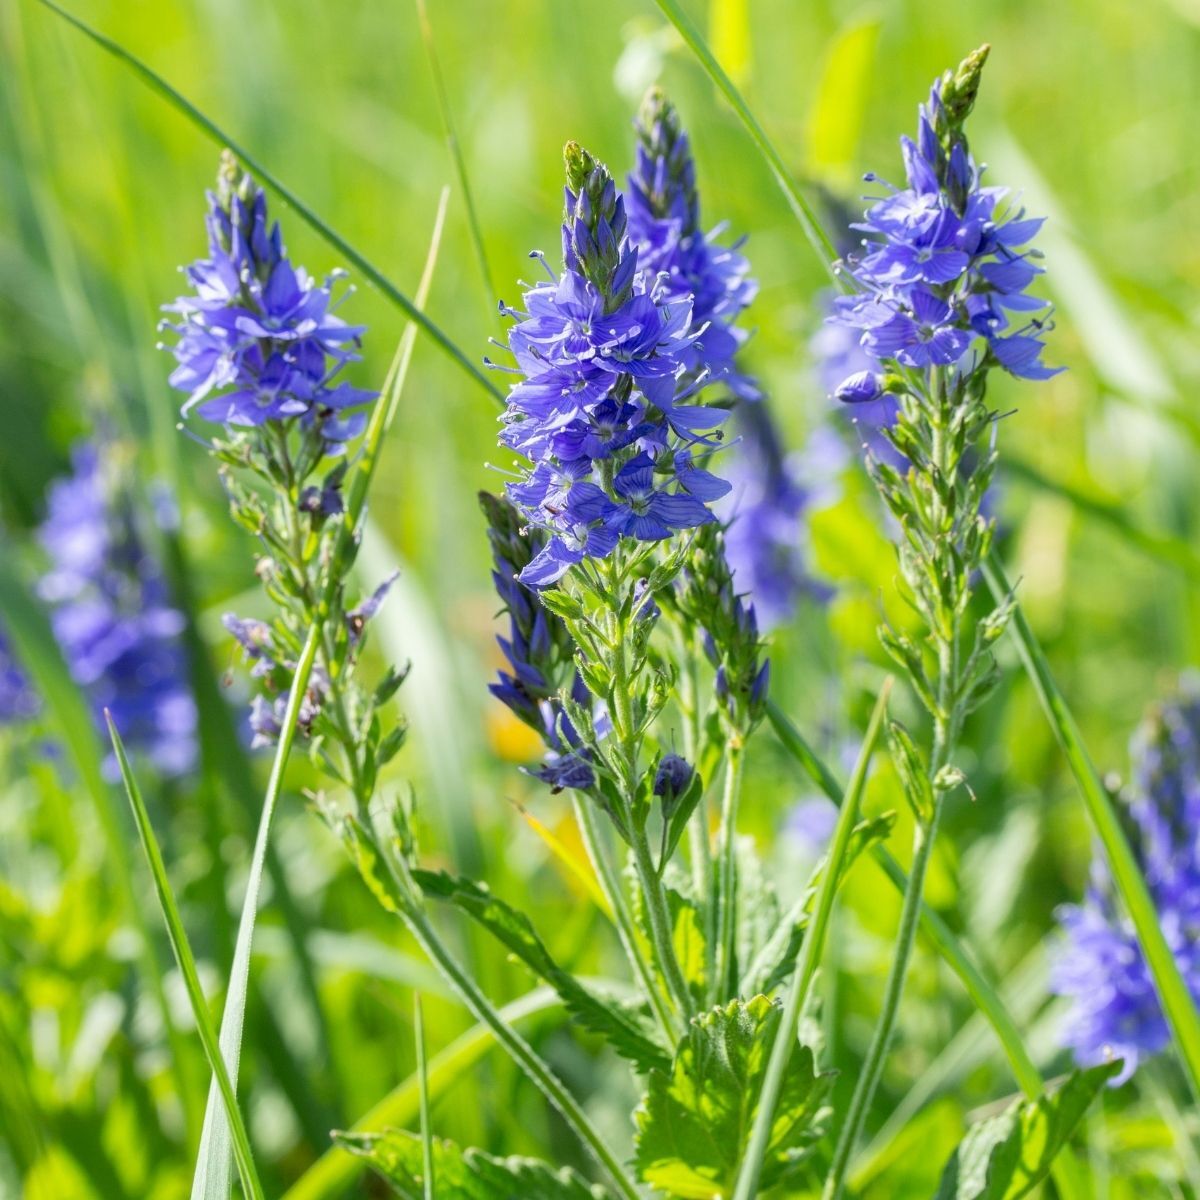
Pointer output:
37, 651
810, 955
983, 995
156, 83
452, 143
211, 1179
423, 1097
1173, 994
803, 211
835, 120
1175, 552
334, 1173
187, 966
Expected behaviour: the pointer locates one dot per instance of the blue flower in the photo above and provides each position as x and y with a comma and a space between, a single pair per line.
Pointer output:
945, 264
538, 651
112, 616
258, 340
604, 351
766, 540
18, 700
1100, 967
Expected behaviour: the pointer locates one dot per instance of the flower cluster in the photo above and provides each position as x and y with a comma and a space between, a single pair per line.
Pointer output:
258, 340
946, 263
112, 616
664, 226
538, 651
18, 700
766, 536
600, 410
1100, 965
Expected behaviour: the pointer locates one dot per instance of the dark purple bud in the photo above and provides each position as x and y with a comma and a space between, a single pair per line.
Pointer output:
672, 777
758, 690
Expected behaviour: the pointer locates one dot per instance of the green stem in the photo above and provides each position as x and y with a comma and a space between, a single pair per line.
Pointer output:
725, 975
872, 1067
810, 955
518, 1049
1172, 990
658, 915
627, 930
952, 952
625, 731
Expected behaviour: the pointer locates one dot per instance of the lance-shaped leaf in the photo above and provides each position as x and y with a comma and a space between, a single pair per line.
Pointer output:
465, 1174
1005, 1157
515, 931
694, 1123
773, 965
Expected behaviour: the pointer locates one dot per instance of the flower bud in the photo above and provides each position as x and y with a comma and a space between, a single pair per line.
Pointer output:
671, 779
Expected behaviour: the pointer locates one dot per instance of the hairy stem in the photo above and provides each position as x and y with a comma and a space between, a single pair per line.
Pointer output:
724, 981
614, 893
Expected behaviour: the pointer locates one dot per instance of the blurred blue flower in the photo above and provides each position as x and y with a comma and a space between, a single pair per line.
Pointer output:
766, 539
664, 225
1115, 1012
945, 265
112, 616
18, 700
258, 340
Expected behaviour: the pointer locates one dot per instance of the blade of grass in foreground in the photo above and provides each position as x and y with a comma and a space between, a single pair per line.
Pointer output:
211, 1180
1174, 552
953, 953
187, 965
335, 1171
817, 237
1173, 994
810, 955
156, 83
212, 1166
33, 641
423, 1098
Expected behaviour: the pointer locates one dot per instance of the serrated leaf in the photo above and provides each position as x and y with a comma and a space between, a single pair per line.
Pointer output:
1005, 1157
465, 1174
514, 930
687, 934
694, 1123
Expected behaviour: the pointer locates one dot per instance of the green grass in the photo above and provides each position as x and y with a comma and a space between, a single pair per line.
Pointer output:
102, 199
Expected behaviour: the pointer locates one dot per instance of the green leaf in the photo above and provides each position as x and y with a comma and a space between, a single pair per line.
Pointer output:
465, 1174
333, 1174
1180, 1008
514, 930
836, 118
1005, 1157
687, 935
774, 964
694, 1123
239, 1140
211, 1180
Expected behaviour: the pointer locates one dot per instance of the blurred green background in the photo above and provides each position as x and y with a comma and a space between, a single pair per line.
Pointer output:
1088, 108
